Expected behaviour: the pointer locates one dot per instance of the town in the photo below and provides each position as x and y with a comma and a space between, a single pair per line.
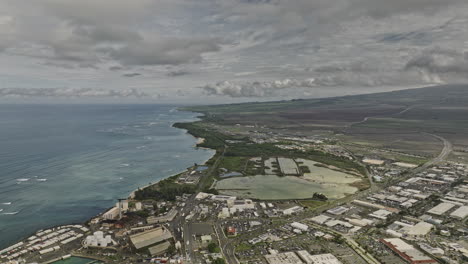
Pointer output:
406, 214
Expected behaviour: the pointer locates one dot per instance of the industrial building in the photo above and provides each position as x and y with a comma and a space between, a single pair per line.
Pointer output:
111, 214
299, 226
159, 249
320, 219
373, 162
441, 208
407, 251
338, 210
283, 258
162, 219
461, 213
240, 205
324, 259
293, 210
150, 237
98, 240
417, 231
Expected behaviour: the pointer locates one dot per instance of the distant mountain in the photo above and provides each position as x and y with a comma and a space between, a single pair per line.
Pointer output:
446, 95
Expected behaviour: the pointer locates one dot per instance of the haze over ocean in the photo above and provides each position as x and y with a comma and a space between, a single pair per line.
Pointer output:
62, 164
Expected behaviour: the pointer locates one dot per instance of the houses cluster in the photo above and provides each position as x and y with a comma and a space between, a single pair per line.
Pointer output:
44, 242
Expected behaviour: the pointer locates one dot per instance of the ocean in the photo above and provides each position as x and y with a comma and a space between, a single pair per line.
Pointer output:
62, 164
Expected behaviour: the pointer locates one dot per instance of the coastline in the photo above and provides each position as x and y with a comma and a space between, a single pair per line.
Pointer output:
131, 195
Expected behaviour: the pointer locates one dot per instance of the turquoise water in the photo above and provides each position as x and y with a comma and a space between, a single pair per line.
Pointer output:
63, 164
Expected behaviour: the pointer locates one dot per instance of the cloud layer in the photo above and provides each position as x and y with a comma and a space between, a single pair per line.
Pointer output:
230, 48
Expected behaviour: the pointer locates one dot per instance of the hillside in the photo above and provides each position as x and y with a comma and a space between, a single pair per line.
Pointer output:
400, 119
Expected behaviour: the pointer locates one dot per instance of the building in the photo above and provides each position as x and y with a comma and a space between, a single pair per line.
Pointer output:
231, 231
98, 240
283, 258
405, 165
438, 252
338, 210
159, 249
150, 237
223, 198
305, 256
381, 214
224, 213
441, 208
320, 219
206, 239
373, 162
138, 206
417, 231
300, 226
360, 222
324, 259
162, 219
293, 210
202, 195
241, 205
111, 214
461, 213
406, 251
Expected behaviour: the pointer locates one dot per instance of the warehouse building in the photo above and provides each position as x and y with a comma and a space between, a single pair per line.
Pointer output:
325, 259
407, 251
420, 230
159, 249
305, 256
461, 213
283, 258
441, 208
150, 237
300, 226
162, 219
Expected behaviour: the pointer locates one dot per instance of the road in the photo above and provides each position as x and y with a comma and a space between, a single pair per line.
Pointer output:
228, 246
365, 119
448, 148
181, 227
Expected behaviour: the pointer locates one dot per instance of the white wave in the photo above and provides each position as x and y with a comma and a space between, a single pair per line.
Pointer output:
124, 165
11, 213
41, 180
7, 203
1, 210
23, 180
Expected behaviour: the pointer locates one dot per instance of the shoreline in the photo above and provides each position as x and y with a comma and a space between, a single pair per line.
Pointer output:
198, 141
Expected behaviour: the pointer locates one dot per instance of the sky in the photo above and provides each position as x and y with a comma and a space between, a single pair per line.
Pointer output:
221, 51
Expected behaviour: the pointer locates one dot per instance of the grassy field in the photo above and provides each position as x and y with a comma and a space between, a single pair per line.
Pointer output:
312, 204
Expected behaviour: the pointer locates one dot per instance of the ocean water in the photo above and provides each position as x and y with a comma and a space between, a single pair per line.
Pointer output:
62, 164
